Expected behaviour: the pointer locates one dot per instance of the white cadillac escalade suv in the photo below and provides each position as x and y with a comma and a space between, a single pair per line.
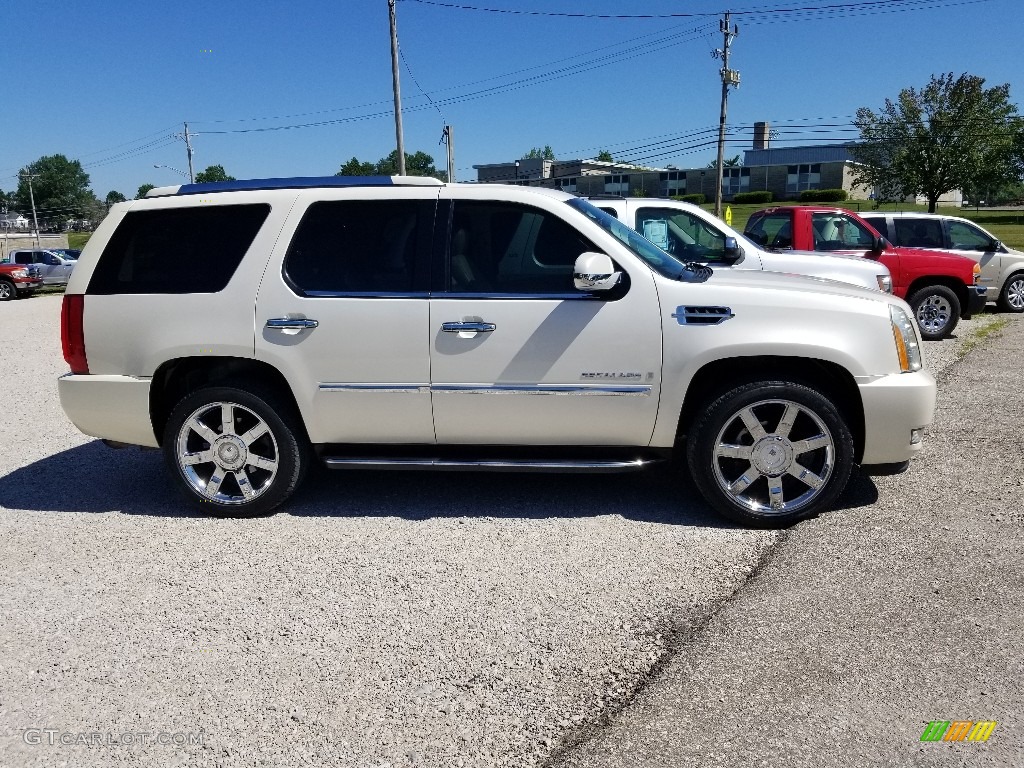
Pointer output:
249, 328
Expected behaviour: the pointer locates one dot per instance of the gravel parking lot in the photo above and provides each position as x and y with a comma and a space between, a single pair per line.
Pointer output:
381, 619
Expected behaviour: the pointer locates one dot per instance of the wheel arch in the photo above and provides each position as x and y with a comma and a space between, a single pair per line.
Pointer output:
176, 378
957, 286
830, 379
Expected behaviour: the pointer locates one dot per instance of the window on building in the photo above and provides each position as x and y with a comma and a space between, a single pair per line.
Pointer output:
804, 176
672, 183
735, 180
568, 185
616, 184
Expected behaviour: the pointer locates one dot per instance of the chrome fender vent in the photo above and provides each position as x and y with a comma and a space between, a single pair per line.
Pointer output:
702, 315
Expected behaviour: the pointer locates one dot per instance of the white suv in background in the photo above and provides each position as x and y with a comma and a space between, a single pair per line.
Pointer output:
250, 328
690, 233
1002, 268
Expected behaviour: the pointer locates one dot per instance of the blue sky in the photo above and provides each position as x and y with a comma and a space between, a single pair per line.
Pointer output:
110, 83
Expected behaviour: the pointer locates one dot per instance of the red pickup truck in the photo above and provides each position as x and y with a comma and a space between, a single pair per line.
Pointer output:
940, 287
17, 280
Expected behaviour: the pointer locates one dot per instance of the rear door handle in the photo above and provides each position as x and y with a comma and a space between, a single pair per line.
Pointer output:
468, 327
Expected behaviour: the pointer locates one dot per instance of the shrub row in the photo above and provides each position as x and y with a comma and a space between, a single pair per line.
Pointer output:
752, 197
696, 199
823, 195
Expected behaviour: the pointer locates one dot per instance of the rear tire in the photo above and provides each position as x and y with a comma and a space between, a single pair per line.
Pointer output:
937, 310
770, 454
239, 452
1012, 297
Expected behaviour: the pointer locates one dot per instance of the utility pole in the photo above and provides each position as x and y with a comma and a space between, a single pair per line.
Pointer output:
188, 148
729, 77
447, 137
398, 90
32, 199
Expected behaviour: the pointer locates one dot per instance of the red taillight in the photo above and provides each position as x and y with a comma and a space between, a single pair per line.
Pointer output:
72, 332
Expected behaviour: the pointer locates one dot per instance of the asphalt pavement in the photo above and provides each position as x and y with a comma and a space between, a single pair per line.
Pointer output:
868, 623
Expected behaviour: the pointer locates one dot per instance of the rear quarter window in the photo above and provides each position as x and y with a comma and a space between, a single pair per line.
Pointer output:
177, 250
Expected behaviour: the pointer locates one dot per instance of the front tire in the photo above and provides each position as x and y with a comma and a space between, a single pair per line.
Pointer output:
1012, 297
240, 452
770, 454
7, 290
937, 310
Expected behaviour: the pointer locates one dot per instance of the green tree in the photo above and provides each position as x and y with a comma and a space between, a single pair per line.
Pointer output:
419, 164
540, 153
60, 188
143, 190
355, 167
213, 173
605, 156
114, 197
730, 162
952, 134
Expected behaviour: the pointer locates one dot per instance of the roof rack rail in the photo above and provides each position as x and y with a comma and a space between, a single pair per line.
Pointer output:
296, 182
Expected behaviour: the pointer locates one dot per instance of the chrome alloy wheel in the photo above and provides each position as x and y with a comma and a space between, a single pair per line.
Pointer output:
934, 314
774, 470
227, 453
1015, 293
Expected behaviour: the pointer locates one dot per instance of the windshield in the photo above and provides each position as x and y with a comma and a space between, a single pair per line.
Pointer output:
661, 262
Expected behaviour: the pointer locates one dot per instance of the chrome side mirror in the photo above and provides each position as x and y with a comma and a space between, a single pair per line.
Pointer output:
595, 272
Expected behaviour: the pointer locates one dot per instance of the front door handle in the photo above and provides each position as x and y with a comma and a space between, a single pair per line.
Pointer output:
291, 325
468, 327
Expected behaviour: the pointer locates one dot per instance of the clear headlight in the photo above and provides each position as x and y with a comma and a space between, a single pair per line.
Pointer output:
884, 283
908, 344
19, 273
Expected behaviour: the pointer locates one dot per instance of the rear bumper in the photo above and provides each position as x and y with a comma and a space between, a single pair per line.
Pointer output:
897, 408
109, 407
977, 297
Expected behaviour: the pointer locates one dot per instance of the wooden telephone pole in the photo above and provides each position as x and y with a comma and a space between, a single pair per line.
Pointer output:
730, 77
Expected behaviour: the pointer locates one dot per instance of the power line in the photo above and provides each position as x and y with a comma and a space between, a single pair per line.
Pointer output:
881, 5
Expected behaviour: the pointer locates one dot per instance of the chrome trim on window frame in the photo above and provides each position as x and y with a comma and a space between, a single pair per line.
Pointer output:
361, 295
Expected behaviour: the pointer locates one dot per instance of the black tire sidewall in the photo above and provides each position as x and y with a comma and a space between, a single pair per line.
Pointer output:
701, 445
292, 452
918, 298
12, 292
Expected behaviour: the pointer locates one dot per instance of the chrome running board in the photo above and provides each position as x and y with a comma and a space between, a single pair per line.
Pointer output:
490, 465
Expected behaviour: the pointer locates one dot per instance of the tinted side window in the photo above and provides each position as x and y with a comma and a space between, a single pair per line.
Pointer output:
177, 250
511, 248
23, 258
685, 236
965, 237
772, 231
918, 233
359, 246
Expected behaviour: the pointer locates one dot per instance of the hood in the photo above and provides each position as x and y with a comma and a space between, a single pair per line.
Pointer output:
784, 281
954, 260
